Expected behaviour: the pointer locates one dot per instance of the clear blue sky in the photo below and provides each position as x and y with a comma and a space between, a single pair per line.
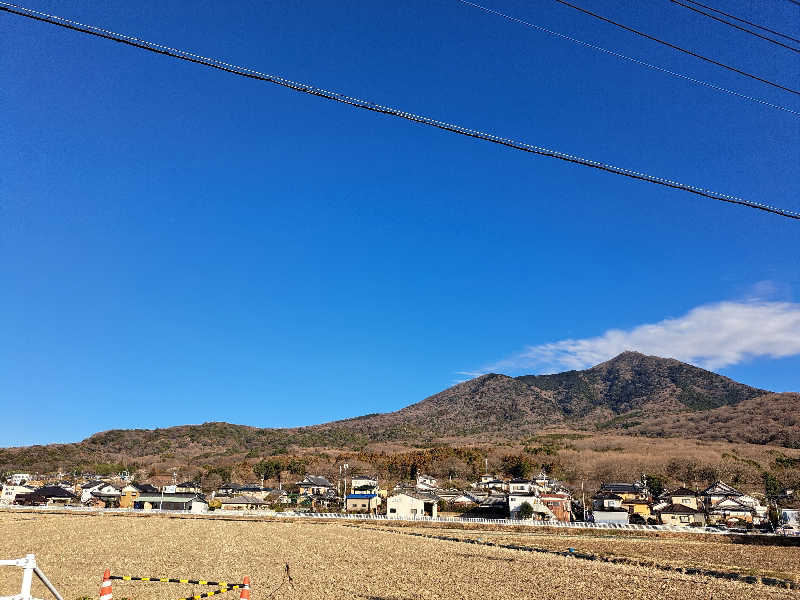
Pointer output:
179, 245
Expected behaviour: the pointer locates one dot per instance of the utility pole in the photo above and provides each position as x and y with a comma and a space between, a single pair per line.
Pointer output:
583, 501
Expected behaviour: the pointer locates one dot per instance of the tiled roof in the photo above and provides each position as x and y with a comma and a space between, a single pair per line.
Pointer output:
679, 509
53, 491
684, 492
243, 500
316, 480
183, 498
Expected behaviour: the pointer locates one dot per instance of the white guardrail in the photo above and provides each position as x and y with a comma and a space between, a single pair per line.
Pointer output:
365, 517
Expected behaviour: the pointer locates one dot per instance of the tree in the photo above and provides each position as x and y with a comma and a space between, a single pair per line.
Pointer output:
211, 482
267, 469
525, 511
772, 486
655, 484
517, 466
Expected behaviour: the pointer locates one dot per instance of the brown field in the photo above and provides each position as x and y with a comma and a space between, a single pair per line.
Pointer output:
676, 550
332, 560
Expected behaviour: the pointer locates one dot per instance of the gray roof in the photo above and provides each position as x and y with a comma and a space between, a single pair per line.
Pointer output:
53, 491
679, 509
621, 488
424, 496
184, 498
92, 484
243, 500
316, 480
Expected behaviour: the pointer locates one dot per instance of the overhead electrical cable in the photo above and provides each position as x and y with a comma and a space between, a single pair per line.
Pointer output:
745, 21
630, 58
735, 26
678, 48
366, 105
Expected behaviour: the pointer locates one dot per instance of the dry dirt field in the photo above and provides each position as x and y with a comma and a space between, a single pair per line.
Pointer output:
715, 553
327, 560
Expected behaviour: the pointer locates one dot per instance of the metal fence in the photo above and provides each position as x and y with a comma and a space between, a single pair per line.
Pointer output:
365, 517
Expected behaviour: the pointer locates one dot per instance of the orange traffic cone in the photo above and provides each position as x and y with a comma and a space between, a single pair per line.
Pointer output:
245, 594
105, 589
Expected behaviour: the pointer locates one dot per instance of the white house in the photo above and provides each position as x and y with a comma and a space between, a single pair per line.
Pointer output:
20, 478
411, 505
10, 492
363, 484
100, 488
791, 517
540, 511
520, 485
188, 502
314, 485
426, 482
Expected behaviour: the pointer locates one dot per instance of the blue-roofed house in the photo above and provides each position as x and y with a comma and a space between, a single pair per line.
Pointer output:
369, 503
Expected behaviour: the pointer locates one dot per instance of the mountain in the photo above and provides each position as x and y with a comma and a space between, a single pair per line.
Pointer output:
631, 394
630, 388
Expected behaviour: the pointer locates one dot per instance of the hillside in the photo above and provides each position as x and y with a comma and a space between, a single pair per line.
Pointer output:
629, 384
632, 394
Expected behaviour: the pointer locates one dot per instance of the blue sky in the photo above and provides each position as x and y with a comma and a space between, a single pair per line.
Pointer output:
179, 245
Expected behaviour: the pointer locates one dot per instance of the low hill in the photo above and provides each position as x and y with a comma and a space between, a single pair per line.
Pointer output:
632, 394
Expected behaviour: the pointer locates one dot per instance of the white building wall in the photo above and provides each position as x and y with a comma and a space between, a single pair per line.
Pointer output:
404, 507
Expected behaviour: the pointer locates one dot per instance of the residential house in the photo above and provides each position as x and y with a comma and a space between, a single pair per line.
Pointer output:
483, 479
412, 505
426, 482
639, 507
559, 503
458, 498
718, 492
540, 511
255, 491
279, 496
130, 492
20, 478
628, 491
102, 487
368, 503
187, 502
48, 495
607, 508
495, 484
686, 497
790, 517
682, 515
228, 489
520, 485
604, 500
244, 502
731, 512
105, 498
10, 492
315, 485
363, 484
188, 487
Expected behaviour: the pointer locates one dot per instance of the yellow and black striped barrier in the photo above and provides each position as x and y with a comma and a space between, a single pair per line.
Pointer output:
105, 590
173, 580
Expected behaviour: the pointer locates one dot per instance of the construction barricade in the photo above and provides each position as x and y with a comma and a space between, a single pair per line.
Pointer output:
29, 569
107, 594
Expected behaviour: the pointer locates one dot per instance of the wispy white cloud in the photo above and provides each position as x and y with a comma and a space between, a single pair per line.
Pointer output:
712, 336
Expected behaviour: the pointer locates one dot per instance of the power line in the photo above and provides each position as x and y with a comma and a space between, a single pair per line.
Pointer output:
366, 105
735, 26
678, 48
629, 58
745, 21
